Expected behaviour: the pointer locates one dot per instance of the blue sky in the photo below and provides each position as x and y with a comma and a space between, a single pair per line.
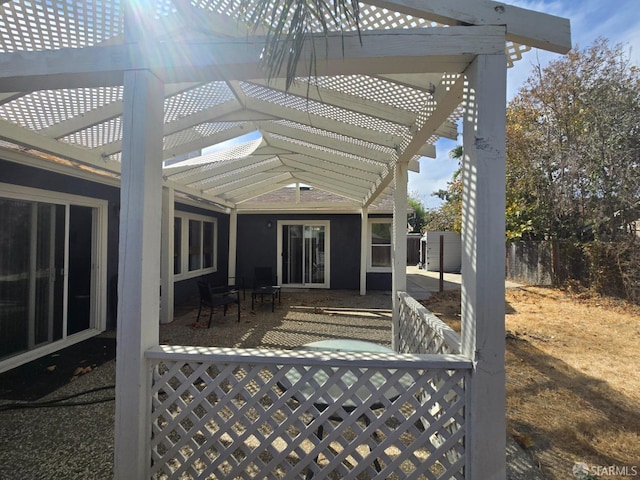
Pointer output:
618, 21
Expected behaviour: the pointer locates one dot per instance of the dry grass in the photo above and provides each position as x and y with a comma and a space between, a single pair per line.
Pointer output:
573, 389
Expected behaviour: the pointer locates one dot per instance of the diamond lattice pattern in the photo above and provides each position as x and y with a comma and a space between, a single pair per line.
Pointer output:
343, 418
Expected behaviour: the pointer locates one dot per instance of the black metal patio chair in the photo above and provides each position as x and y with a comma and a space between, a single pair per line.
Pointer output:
212, 297
265, 283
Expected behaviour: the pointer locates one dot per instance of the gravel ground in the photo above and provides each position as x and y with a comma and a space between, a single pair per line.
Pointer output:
62, 442
76, 442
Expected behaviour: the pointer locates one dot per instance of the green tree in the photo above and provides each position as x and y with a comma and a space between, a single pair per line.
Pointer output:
448, 216
573, 147
419, 216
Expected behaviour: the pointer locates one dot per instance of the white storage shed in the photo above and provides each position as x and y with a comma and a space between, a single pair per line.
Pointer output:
451, 251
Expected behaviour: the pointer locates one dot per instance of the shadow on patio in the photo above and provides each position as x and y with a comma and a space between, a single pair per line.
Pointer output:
303, 316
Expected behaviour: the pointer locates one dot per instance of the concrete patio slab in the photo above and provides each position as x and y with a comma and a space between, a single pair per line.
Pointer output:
422, 283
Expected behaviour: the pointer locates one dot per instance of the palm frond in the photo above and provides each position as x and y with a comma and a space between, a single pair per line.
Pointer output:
290, 23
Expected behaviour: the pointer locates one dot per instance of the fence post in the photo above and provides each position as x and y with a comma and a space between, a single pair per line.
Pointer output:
441, 283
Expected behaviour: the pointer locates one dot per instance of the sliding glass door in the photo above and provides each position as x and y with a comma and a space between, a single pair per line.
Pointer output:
31, 264
304, 258
81, 268
48, 258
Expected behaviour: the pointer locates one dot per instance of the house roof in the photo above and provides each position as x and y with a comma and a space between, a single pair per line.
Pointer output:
374, 100
301, 198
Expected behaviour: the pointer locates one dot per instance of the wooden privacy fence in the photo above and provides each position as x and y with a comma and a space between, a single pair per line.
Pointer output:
413, 249
609, 268
272, 414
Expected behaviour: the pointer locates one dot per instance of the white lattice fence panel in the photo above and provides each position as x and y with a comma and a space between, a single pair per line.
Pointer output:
227, 414
420, 331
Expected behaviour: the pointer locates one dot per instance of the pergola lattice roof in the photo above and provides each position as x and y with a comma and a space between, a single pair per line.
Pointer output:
371, 105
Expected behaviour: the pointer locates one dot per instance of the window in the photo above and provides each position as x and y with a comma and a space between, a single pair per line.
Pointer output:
177, 245
380, 235
194, 245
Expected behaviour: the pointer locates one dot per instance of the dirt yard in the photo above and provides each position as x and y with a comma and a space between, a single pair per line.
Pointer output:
573, 386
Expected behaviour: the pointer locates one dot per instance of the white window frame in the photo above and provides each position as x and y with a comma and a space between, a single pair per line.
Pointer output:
371, 221
185, 273
98, 319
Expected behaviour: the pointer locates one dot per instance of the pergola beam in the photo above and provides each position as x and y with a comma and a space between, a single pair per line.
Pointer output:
208, 115
523, 26
203, 171
428, 120
330, 175
218, 184
330, 155
224, 186
317, 121
354, 103
9, 97
100, 115
221, 204
29, 139
347, 191
447, 98
262, 190
323, 164
259, 187
204, 141
176, 128
357, 148
390, 51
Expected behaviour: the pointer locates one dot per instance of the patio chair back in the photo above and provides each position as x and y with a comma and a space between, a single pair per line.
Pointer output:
217, 297
263, 277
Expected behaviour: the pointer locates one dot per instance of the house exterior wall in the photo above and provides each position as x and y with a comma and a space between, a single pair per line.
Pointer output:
257, 247
378, 281
257, 244
185, 290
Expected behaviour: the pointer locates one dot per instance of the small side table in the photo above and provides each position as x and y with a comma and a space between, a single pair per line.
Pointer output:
269, 290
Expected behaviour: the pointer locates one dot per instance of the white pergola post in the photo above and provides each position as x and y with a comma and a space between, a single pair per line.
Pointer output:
364, 249
233, 245
139, 252
166, 257
483, 277
399, 250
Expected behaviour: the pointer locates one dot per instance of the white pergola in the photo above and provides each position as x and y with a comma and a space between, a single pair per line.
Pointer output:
129, 89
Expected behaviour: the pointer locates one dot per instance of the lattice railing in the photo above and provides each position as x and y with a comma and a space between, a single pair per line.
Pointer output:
420, 331
267, 414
